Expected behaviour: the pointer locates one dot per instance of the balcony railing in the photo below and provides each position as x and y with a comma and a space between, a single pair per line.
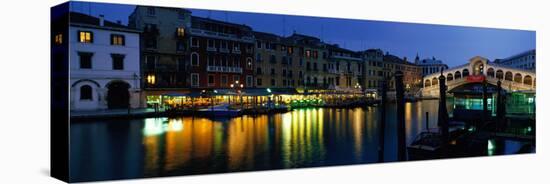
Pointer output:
225, 69
212, 34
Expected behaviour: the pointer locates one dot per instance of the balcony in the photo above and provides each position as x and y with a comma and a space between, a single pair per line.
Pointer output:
212, 34
211, 49
224, 50
224, 69
236, 51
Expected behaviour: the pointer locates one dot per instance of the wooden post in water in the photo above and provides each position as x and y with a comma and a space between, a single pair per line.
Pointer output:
400, 102
382, 121
500, 112
427, 122
443, 116
484, 117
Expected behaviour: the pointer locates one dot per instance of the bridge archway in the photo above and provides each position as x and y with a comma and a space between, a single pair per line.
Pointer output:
434, 81
491, 72
478, 68
518, 78
465, 73
528, 80
508, 76
458, 75
449, 77
500, 74
427, 83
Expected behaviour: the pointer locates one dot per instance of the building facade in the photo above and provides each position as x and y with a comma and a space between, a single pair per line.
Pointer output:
313, 56
525, 60
164, 47
277, 62
221, 54
104, 64
348, 67
430, 65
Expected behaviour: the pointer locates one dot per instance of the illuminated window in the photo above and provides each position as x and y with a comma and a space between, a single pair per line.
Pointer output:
58, 39
308, 53
151, 79
86, 92
85, 37
180, 32
117, 39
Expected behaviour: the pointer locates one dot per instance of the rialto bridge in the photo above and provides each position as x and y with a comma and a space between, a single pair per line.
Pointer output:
477, 69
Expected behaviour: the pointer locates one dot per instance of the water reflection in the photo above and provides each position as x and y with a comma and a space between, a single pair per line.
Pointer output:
191, 145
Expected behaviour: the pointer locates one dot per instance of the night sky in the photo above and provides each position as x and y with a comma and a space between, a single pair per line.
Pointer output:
454, 45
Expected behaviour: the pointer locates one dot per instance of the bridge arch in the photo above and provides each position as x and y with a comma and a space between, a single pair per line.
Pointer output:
427, 83
449, 77
518, 78
508, 76
458, 75
465, 72
500, 74
478, 68
434, 81
491, 72
528, 80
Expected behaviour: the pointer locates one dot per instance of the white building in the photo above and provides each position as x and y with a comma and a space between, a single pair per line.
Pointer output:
525, 60
430, 65
104, 64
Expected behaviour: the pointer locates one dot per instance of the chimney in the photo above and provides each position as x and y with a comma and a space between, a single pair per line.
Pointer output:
101, 20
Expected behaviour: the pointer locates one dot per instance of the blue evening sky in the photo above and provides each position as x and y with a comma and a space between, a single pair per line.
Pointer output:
453, 44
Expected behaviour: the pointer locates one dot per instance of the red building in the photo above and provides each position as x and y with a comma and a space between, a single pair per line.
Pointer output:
221, 53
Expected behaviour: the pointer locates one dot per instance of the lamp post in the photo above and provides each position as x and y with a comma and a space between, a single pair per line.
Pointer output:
237, 87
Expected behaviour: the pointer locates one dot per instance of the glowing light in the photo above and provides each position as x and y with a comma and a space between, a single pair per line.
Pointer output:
268, 90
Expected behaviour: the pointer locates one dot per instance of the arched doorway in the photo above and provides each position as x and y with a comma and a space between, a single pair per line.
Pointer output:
499, 74
527, 80
465, 73
457, 75
118, 96
449, 77
478, 68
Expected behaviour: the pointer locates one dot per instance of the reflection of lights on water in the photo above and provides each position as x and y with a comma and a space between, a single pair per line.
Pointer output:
491, 147
156, 126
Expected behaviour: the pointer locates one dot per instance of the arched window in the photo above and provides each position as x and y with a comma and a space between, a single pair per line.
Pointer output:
458, 75
528, 80
465, 72
434, 81
427, 83
449, 77
517, 78
500, 74
508, 76
194, 59
85, 92
491, 72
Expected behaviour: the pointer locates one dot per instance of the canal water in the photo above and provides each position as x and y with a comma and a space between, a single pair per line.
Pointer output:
121, 149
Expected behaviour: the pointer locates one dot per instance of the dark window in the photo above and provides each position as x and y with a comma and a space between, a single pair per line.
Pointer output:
195, 59
85, 37
258, 82
180, 46
181, 15
194, 42
181, 64
210, 79
118, 61
224, 80
259, 71
151, 43
150, 61
85, 60
117, 39
86, 92
151, 11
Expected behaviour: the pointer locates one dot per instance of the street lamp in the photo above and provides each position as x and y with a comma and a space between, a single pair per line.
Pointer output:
237, 87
